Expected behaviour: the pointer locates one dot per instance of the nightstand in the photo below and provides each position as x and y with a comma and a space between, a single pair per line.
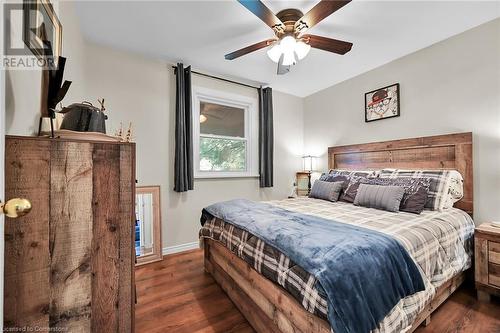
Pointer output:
487, 261
303, 182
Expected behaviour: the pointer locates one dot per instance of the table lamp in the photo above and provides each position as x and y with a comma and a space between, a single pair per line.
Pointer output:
308, 164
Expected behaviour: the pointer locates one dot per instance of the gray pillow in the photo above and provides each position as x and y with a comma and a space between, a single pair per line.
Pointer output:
380, 197
416, 191
336, 178
414, 199
326, 190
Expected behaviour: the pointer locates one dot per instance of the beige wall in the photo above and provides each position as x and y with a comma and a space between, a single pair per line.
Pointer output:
22, 87
143, 91
452, 86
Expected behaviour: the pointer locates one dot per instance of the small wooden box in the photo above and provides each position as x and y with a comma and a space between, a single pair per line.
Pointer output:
487, 260
302, 180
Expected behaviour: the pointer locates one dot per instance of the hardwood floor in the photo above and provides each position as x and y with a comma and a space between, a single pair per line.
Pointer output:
177, 296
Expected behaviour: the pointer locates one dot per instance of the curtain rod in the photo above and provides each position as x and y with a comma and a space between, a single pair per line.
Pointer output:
220, 78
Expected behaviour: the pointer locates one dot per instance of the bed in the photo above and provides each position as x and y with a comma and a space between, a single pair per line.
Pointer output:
276, 302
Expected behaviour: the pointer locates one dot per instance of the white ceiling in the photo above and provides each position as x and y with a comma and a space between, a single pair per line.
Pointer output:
201, 32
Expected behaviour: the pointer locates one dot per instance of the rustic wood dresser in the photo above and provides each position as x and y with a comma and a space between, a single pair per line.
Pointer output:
69, 263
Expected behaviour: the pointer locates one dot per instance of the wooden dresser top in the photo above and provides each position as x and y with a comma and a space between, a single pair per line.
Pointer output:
487, 229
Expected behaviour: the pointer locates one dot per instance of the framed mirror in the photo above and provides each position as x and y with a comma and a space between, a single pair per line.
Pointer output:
147, 224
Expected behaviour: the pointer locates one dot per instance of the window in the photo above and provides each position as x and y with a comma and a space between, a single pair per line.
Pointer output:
224, 129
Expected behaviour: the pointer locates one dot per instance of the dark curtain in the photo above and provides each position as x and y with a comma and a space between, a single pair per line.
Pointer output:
183, 165
266, 137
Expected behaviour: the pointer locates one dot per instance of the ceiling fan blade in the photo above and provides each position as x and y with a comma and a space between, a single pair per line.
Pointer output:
265, 14
327, 44
248, 49
323, 9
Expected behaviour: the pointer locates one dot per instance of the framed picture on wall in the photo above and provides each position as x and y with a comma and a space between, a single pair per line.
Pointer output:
42, 30
382, 103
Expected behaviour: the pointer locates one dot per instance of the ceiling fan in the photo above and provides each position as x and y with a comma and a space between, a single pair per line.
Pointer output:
291, 44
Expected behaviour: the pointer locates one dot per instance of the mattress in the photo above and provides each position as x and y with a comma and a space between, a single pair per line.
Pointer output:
440, 243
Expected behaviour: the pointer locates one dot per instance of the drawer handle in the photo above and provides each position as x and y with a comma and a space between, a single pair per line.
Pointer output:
16, 207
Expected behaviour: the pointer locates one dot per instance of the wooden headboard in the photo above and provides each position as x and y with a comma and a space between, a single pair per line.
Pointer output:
450, 151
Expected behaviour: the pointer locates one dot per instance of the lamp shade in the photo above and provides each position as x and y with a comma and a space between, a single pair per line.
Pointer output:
274, 52
309, 163
302, 49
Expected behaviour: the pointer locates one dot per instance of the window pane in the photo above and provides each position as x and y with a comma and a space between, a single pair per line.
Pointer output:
222, 154
224, 120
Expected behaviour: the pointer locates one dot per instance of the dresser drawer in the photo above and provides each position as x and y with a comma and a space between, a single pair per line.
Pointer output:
487, 260
494, 275
494, 252
494, 263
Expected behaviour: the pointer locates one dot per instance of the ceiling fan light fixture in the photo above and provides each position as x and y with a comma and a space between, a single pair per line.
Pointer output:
288, 44
291, 49
302, 49
289, 58
274, 52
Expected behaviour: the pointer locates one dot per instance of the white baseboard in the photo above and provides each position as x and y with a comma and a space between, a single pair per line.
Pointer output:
180, 248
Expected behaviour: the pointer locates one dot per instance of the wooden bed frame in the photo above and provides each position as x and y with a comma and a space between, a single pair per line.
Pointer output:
268, 307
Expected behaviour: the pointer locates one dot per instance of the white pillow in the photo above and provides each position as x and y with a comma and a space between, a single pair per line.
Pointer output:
455, 189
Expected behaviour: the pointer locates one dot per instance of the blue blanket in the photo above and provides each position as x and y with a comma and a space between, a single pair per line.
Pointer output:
364, 273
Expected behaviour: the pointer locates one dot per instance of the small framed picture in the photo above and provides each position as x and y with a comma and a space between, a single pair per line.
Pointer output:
42, 31
382, 103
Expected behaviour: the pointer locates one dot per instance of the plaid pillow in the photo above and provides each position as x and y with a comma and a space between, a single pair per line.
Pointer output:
441, 193
358, 173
